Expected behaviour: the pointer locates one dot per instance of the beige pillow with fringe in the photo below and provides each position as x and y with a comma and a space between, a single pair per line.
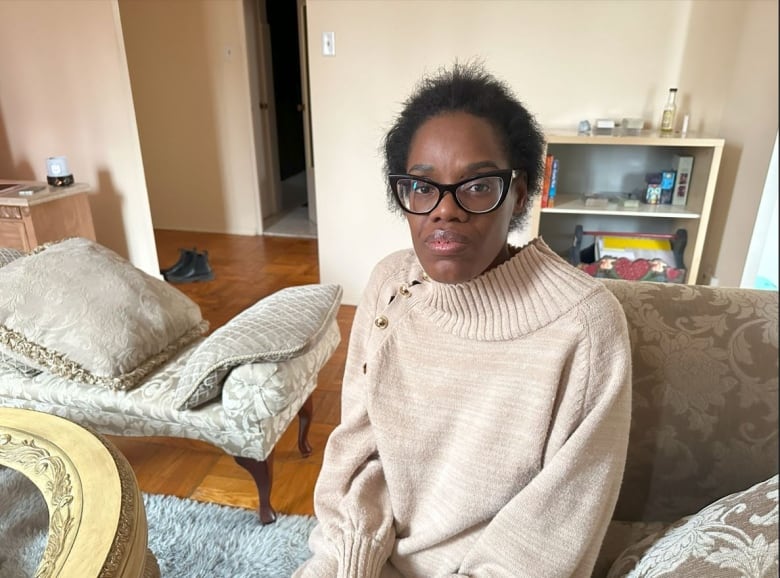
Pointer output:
80, 311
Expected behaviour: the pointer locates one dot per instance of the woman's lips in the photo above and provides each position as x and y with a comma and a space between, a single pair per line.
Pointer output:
445, 242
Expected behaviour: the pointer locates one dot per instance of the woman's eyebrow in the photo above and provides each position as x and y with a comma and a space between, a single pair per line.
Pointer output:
421, 168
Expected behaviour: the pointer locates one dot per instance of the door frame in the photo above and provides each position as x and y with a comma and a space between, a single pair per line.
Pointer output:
264, 109
308, 152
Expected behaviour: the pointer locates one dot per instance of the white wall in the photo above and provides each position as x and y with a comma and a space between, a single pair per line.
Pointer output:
188, 65
567, 60
65, 90
749, 126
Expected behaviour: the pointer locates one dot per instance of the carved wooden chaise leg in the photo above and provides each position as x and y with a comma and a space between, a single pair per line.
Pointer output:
304, 421
262, 471
262, 474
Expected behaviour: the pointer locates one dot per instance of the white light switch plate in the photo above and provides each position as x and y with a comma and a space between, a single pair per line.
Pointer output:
328, 44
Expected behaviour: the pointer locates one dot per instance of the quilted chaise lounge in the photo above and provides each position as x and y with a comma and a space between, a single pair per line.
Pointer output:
87, 336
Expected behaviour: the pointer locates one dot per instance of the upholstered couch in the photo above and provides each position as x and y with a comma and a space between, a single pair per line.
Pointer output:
87, 336
699, 496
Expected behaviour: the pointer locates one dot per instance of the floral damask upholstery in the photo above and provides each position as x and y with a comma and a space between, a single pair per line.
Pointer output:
735, 536
276, 347
705, 401
281, 326
232, 424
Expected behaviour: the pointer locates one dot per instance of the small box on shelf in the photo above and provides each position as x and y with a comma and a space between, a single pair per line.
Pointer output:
683, 166
597, 201
659, 188
629, 200
653, 188
604, 126
653, 194
667, 186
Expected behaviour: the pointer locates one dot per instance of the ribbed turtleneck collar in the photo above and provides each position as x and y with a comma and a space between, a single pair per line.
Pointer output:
525, 293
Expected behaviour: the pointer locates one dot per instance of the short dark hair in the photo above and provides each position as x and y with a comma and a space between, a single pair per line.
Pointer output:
469, 88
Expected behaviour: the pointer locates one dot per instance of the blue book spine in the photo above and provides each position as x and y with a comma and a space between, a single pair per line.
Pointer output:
554, 179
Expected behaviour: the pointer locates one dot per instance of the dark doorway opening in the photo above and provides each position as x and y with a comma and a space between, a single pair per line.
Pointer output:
286, 64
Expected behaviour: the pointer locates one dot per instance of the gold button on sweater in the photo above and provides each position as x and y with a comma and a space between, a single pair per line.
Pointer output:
484, 428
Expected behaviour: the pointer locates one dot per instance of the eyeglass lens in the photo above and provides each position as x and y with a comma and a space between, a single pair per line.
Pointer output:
478, 195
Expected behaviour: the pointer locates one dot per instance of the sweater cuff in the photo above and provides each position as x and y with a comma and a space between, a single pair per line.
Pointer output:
360, 556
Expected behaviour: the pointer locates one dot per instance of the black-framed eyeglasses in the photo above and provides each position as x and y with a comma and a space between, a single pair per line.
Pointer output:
478, 195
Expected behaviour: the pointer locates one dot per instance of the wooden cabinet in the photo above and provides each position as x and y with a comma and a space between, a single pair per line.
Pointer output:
50, 214
613, 165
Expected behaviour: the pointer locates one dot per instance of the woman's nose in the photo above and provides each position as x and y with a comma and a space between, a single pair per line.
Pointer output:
448, 208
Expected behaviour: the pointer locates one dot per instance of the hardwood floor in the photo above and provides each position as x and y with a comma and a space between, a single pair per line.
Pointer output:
245, 270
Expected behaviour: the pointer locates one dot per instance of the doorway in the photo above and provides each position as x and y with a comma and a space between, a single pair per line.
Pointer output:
283, 99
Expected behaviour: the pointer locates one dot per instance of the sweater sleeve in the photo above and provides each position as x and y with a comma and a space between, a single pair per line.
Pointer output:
555, 525
355, 534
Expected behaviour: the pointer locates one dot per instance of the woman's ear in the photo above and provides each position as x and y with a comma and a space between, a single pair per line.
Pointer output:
520, 187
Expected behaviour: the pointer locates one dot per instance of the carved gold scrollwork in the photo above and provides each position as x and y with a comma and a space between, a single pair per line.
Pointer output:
127, 521
50, 473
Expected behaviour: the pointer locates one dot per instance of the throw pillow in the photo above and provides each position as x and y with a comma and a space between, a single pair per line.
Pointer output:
80, 311
734, 536
281, 326
7, 255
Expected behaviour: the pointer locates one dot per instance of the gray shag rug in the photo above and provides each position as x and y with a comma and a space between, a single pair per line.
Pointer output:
188, 538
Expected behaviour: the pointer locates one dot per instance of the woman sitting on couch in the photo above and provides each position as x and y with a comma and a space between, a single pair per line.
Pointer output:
486, 396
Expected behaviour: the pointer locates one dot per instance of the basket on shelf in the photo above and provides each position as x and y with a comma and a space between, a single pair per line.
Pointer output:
615, 266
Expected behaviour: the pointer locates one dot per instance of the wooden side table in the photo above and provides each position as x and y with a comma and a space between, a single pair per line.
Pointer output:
49, 214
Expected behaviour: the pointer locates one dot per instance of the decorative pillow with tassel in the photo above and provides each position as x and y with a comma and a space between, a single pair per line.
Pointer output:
78, 310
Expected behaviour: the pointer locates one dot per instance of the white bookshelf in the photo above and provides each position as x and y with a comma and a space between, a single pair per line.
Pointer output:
572, 204
613, 165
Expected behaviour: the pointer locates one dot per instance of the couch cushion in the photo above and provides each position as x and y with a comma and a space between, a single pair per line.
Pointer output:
734, 536
78, 310
281, 326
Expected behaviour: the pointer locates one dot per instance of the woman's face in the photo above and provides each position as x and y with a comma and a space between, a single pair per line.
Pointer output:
451, 244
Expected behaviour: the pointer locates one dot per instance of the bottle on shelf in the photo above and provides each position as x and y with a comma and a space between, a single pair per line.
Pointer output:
670, 111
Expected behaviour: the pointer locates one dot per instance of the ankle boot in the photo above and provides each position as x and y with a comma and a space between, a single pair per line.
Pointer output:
198, 270
185, 258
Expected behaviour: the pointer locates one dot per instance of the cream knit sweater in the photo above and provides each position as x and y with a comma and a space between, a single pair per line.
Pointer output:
484, 425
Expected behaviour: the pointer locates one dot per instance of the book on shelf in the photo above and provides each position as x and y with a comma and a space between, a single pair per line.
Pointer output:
546, 181
683, 165
553, 183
